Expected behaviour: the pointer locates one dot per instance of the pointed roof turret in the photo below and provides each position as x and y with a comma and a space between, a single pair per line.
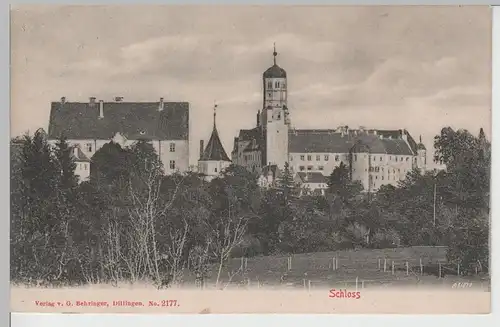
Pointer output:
214, 151
420, 145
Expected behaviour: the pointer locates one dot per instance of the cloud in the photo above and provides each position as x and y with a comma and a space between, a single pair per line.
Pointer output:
386, 67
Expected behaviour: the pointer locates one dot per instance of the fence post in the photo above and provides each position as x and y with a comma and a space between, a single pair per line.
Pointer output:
333, 264
476, 270
379, 264
241, 267
305, 284
385, 264
246, 263
309, 285
458, 269
421, 267
362, 284
407, 269
336, 263
356, 283
289, 263
393, 267
439, 263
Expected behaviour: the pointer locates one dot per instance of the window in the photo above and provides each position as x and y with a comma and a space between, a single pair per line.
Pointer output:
301, 168
302, 157
355, 157
337, 157
270, 95
269, 86
401, 159
279, 115
326, 157
309, 167
291, 158
382, 177
380, 158
85, 166
320, 168
277, 84
172, 147
318, 157
172, 164
407, 158
390, 157
215, 169
309, 158
89, 147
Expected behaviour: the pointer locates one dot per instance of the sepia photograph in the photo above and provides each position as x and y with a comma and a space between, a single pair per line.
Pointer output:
250, 159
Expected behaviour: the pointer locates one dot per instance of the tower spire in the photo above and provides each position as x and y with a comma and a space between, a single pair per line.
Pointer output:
420, 138
274, 52
215, 112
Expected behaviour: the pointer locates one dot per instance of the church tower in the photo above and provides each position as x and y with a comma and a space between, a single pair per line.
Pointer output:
275, 117
213, 159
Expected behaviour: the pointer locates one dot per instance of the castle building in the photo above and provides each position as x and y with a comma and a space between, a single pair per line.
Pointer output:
213, 158
374, 157
89, 125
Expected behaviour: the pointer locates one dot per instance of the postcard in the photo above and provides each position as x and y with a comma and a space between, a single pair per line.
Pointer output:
250, 159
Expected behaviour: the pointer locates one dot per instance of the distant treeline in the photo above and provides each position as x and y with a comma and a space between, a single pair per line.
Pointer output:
131, 222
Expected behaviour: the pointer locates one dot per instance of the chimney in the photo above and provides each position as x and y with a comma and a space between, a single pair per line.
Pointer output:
101, 109
63, 100
92, 101
118, 99
75, 151
160, 108
201, 148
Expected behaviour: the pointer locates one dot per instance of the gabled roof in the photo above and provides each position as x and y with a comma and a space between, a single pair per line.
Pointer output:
311, 177
272, 170
134, 120
332, 141
214, 151
79, 156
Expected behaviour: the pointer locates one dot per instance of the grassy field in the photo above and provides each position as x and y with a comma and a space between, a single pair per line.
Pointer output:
317, 268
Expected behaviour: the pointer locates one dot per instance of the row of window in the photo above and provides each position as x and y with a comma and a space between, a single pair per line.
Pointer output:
337, 158
377, 169
318, 157
89, 147
277, 84
309, 168
83, 166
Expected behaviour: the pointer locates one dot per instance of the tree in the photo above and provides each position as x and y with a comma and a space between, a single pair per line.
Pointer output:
286, 184
340, 184
235, 199
66, 164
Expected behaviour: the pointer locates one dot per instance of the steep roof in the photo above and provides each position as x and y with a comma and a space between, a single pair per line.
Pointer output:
311, 177
79, 156
272, 170
134, 120
214, 151
275, 71
331, 141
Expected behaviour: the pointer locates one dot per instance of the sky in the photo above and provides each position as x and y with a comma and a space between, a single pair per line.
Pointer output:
414, 67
